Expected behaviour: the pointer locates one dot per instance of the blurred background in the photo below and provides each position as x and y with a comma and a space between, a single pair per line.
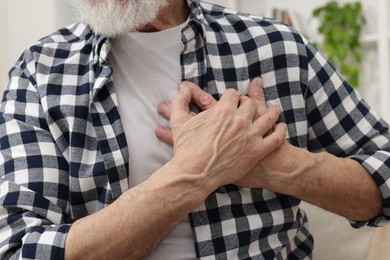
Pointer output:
24, 22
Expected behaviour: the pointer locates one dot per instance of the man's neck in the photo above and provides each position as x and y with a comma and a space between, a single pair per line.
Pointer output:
174, 14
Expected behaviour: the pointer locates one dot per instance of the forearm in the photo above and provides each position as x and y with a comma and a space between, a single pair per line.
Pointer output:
339, 185
134, 225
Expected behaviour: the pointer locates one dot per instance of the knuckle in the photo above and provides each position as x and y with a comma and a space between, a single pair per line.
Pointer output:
278, 140
207, 100
240, 122
224, 109
257, 94
257, 150
252, 102
231, 91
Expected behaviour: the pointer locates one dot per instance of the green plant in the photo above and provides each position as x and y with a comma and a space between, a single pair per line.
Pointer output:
340, 26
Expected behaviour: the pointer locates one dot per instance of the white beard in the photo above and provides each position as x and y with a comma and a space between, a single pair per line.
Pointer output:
116, 17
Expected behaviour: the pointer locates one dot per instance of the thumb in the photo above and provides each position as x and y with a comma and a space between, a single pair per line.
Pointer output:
180, 111
201, 98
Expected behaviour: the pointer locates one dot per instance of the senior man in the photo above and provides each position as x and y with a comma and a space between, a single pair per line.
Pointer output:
87, 167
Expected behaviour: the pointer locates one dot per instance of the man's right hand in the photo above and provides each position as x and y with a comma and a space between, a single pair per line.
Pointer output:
225, 141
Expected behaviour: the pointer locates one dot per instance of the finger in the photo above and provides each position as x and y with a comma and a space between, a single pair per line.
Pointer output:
201, 98
247, 107
256, 92
231, 98
164, 109
267, 121
164, 134
272, 141
180, 105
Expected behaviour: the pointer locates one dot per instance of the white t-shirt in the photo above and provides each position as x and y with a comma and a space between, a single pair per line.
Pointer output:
147, 71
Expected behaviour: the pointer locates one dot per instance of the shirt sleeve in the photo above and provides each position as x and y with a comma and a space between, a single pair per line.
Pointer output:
33, 173
342, 123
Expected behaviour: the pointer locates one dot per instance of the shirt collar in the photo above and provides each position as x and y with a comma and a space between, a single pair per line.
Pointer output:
196, 15
196, 23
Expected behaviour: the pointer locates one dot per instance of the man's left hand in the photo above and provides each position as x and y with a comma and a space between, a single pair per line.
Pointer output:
262, 174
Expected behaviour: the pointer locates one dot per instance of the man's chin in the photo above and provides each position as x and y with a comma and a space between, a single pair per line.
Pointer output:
110, 31
115, 19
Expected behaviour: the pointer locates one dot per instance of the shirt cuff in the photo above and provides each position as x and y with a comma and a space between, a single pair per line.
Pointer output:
45, 242
377, 163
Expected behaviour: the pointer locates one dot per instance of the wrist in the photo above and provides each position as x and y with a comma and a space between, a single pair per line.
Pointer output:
290, 178
305, 166
196, 175
183, 181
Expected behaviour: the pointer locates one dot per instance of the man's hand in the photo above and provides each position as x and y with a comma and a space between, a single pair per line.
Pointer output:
205, 101
225, 141
270, 140
340, 185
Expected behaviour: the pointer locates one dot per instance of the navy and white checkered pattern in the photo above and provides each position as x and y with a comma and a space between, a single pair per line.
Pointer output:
64, 154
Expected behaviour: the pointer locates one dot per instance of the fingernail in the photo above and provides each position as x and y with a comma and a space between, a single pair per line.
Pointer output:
182, 85
275, 103
258, 82
184, 89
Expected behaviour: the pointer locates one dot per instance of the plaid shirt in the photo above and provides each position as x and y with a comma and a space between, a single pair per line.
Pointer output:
64, 153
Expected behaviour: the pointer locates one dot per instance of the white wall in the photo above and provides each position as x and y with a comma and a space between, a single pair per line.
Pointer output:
21, 24
2, 47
